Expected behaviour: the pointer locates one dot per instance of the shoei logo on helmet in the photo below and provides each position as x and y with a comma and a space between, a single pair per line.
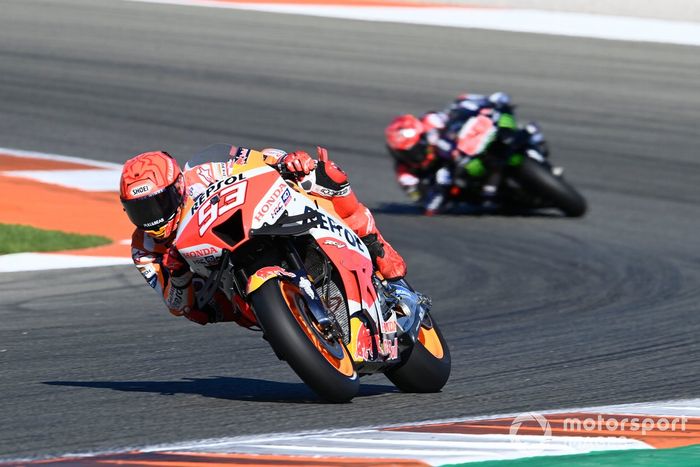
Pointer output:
139, 190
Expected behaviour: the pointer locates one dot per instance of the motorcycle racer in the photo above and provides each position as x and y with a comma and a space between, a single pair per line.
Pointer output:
428, 152
411, 141
153, 191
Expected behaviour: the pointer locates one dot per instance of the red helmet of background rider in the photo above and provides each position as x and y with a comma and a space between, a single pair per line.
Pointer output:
151, 190
404, 138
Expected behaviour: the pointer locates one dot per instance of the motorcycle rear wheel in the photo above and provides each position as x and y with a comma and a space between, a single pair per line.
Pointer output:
556, 190
325, 366
427, 367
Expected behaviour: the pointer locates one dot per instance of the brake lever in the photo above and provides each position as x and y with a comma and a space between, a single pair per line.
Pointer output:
285, 172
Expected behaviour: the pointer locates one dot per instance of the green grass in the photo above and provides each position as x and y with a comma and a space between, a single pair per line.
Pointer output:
688, 456
21, 238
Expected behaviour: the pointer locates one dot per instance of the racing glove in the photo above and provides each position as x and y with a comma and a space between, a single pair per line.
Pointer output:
173, 261
297, 163
177, 267
178, 293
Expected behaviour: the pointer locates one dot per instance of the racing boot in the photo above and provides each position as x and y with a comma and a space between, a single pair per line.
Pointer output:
436, 200
489, 190
388, 261
332, 183
537, 140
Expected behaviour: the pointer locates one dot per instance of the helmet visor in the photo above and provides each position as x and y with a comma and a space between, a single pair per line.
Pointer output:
413, 157
154, 211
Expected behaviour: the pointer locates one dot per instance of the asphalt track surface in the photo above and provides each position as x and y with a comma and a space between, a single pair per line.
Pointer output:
540, 312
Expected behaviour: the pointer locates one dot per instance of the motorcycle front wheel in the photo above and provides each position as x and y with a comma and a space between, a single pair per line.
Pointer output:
542, 182
323, 364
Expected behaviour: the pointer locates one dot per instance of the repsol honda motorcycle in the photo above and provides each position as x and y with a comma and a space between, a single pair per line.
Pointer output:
309, 282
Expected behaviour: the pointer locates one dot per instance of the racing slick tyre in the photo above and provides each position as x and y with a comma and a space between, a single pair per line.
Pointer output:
427, 367
544, 183
288, 325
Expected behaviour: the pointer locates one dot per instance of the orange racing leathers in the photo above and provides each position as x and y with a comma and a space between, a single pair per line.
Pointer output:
166, 271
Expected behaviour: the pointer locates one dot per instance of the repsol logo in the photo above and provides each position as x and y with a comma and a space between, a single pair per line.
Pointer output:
213, 188
330, 224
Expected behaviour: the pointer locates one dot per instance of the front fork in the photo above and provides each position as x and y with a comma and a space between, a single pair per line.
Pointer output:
297, 275
408, 307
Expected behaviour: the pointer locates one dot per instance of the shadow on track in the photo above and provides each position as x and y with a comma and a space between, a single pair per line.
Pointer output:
407, 209
231, 388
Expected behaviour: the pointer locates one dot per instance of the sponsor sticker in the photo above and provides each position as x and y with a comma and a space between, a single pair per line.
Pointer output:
335, 243
204, 172
274, 203
286, 197
213, 188
273, 155
328, 192
363, 343
205, 261
272, 271
389, 327
202, 252
139, 190
195, 190
330, 224
241, 157
156, 222
390, 348
308, 287
148, 271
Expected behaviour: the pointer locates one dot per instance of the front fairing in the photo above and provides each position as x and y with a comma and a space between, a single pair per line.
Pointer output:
220, 215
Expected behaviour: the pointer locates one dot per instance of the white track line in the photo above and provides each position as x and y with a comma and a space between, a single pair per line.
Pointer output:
437, 448
84, 180
434, 448
19, 262
104, 176
518, 20
60, 158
